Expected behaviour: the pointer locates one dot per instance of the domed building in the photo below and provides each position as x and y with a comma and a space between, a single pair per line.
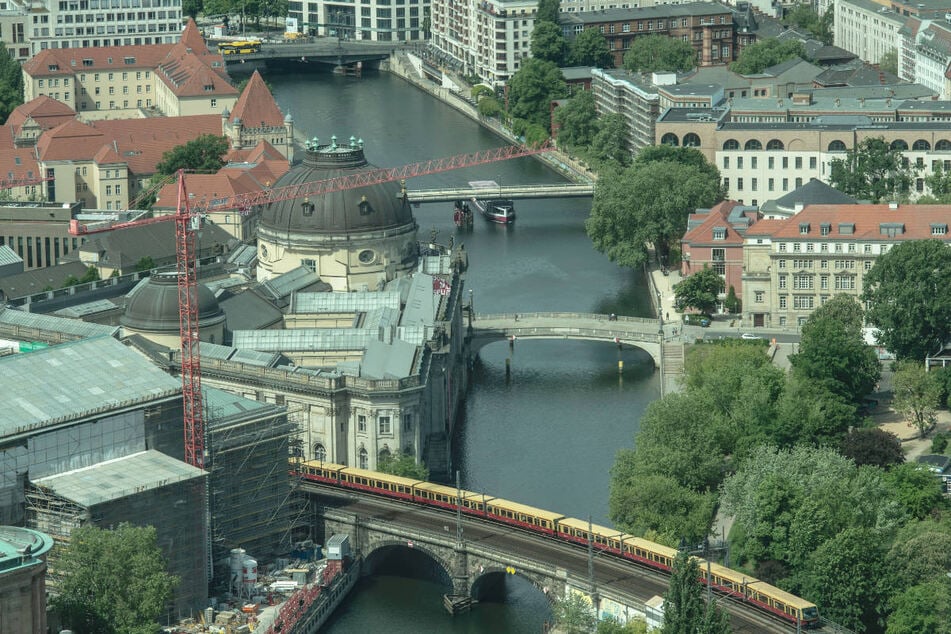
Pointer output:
355, 239
152, 311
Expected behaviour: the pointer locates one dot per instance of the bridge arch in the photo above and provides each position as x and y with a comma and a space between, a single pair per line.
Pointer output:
424, 561
487, 575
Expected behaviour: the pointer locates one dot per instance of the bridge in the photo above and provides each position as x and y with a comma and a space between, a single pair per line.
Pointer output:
473, 563
641, 332
322, 50
509, 191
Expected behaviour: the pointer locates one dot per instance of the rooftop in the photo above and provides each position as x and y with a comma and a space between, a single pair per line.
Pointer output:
22, 547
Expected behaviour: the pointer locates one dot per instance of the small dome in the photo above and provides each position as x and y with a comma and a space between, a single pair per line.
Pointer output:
366, 208
154, 306
288, 118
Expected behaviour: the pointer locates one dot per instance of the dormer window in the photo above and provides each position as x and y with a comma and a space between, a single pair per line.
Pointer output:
803, 228
846, 228
365, 208
53, 67
719, 233
87, 62
307, 208
129, 60
939, 229
891, 229
825, 228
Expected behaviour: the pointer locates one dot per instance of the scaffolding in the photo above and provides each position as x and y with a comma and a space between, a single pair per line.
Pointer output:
56, 516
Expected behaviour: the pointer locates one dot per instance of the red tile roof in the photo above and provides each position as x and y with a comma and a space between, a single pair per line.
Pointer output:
916, 221
715, 217
765, 227
190, 69
256, 106
45, 111
15, 162
208, 187
57, 62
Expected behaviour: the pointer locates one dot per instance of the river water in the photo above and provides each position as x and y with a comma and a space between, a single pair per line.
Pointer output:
547, 436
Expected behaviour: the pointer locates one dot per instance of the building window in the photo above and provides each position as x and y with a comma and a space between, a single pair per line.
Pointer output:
824, 282
384, 425
802, 282
753, 183
739, 184
804, 302
781, 263
782, 281
782, 304
362, 424
758, 296
753, 162
407, 422
867, 265
769, 184
726, 162
782, 247
364, 459
320, 452
719, 233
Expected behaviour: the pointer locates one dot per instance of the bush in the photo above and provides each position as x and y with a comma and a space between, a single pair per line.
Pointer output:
939, 443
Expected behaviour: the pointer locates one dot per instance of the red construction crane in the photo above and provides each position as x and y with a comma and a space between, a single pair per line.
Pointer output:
188, 219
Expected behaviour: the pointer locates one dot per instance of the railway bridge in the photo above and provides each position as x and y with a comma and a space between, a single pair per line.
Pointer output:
473, 560
448, 194
644, 333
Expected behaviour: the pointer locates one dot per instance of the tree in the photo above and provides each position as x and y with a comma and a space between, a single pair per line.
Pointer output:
532, 89
939, 182
652, 53
548, 11
590, 48
11, 83
658, 504
699, 290
921, 609
917, 395
872, 171
647, 205
490, 107
908, 290
732, 302
685, 611
577, 120
548, 43
635, 625
873, 446
574, 614
889, 61
203, 154
145, 264
921, 557
759, 56
114, 581
810, 412
192, 8
833, 352
609, 146
843, 577
804, 16
403, 464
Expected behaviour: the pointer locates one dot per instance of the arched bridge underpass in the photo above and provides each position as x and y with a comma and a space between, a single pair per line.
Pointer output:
375, 524
640, 332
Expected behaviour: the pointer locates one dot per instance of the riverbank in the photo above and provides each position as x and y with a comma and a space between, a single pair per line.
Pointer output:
408, 66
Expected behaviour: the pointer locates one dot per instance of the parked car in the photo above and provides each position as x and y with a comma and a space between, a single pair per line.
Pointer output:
749, 335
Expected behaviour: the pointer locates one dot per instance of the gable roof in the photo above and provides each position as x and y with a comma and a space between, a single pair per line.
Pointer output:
59, 62
16, 163
718, 217
815, 192
190, 69
865, 222
256, 107
44, 111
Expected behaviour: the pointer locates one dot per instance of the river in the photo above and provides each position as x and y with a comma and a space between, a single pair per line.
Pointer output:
547, 437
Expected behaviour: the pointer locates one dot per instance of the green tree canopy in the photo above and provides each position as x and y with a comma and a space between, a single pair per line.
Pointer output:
403, 464
833, 352
920, 553
578, 121
11, 83
548, 11
908, 291
652, 53
889, 61
921, 609
532, 89
872, 171
548, 43
805, 17
685, 611
872, 446
810, 412
939, 182
657, 504
609, 146
574, 614
916, 395
759, 56
700, 290
114, 581
202, 154
647, 204
192, 8
590, 48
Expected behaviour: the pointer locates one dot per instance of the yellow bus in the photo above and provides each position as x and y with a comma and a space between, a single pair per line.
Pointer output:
240, 47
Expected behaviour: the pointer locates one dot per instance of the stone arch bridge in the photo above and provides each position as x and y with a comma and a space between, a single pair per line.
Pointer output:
643, 333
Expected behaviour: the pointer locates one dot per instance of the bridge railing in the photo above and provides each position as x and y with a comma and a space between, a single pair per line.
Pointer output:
619, 319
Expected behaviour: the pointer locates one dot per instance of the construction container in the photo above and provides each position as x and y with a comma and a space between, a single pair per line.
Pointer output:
338, 547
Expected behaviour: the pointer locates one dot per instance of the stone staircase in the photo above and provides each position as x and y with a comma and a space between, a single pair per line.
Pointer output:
673, 358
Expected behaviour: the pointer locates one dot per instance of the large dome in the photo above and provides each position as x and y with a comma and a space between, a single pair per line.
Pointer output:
367, 208
154, 306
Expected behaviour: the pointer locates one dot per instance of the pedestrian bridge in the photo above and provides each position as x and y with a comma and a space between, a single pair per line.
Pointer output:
641, 332
509, 191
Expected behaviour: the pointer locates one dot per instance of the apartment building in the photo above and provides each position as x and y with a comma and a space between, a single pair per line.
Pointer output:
178, 79
708, 26
44, 24
632, 96
867, 28
14, 23
378, 20
793, 266
765, 148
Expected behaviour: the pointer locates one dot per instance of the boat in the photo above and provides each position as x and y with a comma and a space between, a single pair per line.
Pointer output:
462, 215
494, 209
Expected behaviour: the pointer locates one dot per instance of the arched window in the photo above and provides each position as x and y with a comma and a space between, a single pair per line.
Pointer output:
753, 144
364, 459
670, 139
898, 144
320, 452
943, 146
775, 144
691, 140
731, 144
837, 146
921, 145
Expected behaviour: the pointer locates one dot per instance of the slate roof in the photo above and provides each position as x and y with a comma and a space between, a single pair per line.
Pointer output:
249, 311
37, 280
644, 13
815, 192
124, 248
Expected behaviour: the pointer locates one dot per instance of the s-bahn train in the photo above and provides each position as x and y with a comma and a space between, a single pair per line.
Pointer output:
556, 526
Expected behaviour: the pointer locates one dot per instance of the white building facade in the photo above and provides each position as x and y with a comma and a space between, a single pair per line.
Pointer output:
867, 29
377, 20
